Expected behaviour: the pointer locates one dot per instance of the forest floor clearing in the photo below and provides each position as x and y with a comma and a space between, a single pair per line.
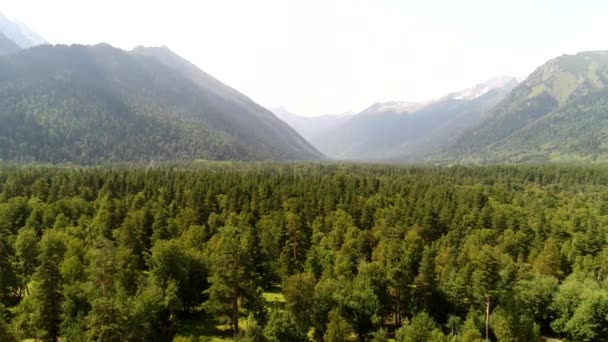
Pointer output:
202, 328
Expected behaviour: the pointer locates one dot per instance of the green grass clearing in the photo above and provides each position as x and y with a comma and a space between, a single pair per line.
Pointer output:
199, 328
274, 299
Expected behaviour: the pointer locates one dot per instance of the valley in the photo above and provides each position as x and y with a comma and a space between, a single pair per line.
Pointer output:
158, 182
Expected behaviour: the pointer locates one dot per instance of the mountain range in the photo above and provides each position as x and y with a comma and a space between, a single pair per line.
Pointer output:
559, 113
406, 131
98, 104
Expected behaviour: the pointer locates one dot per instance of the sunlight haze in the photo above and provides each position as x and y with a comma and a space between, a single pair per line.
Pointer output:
325, 57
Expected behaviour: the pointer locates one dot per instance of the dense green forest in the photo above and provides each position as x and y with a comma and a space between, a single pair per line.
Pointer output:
366, 253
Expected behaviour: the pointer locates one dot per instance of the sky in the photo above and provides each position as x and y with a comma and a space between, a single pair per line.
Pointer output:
317, 57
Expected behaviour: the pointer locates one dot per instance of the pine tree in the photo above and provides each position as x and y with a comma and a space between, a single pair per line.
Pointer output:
26, 249
48, 293
485, 281
230, 273
338, 330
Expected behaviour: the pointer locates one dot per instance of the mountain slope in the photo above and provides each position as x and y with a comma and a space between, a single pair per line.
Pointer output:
402, 131
7, 46
555, 114
264, 125
95, 104
311, 127
19, 33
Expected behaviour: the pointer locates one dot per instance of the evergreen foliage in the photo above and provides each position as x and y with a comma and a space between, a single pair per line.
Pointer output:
361, 252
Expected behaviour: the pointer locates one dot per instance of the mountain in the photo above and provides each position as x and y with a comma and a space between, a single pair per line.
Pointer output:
405, 131
7, 46
497, 82
265, 125
19, 33
311, 127
97, 104
559, 113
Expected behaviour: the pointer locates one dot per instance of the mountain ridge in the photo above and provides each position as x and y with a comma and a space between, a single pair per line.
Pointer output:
20, 33
210, 83
407, 131
95, 104
551, 91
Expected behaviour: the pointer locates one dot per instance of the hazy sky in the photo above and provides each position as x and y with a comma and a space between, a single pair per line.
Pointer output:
330, 56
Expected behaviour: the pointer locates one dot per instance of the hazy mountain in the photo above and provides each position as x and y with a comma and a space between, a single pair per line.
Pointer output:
264, 125
19, 33
558, 113
94, 104
7, 46
409, 131
311, 127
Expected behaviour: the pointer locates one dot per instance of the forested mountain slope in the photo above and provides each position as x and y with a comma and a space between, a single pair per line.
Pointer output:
558, 113
96, 104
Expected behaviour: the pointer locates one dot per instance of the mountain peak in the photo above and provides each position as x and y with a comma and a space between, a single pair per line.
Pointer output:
393, 107
557, 112
496, 82
568, 75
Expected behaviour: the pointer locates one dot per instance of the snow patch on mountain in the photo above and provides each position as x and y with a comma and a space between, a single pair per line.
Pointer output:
482, 88
402, 107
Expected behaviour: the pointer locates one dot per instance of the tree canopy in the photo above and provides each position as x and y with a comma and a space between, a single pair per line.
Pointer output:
360, 252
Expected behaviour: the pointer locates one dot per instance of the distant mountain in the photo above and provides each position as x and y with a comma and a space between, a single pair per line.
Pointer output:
19, 33
405, 131
559, 113
7, 46
98, 104
311, 127
497, 82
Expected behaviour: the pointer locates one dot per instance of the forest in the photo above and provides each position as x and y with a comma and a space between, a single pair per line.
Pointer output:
355, 252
